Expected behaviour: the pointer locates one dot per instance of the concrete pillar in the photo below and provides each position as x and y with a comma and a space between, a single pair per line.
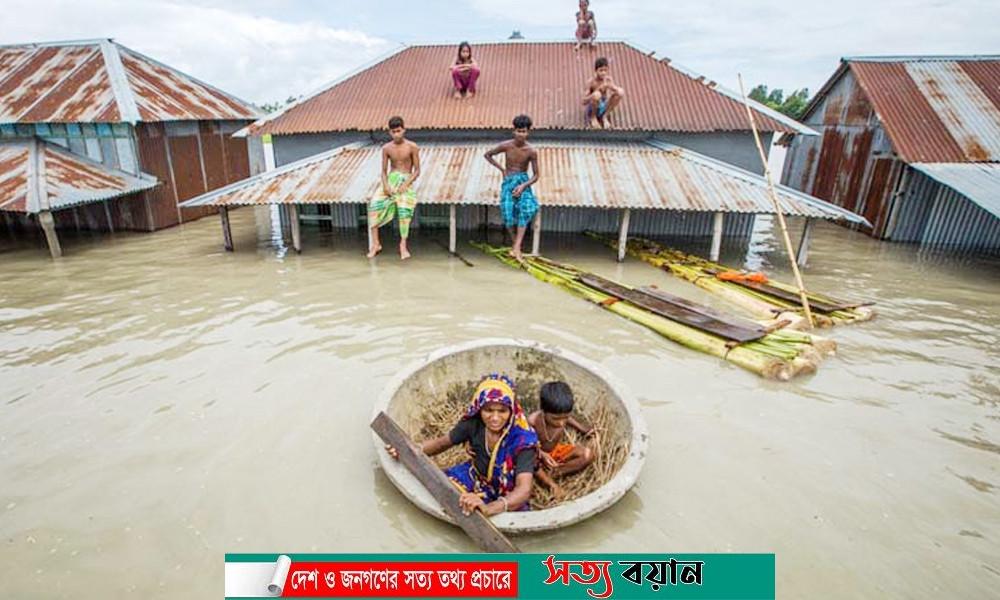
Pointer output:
49, 227
716, 236
293, 216
802, 255
452, 229
623, 234
536, 232
227, 232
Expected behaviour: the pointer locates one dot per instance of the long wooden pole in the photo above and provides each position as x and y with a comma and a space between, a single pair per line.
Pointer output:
477, 525
777, 208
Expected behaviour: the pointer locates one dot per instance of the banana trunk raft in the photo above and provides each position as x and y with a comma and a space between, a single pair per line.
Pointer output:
768, 351
763, 299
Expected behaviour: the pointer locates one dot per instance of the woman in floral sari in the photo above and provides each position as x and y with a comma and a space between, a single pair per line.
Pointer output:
503, 449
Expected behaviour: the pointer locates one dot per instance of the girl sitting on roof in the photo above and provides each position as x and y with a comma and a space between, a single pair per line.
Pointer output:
464, 72
503, 447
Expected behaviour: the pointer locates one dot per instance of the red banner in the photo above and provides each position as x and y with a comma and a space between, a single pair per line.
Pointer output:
401, 579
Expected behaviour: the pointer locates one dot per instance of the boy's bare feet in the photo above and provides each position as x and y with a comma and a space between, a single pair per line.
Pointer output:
374, 251
595, 124
404, 253
604, 123
470, 94
576, 47
457, 95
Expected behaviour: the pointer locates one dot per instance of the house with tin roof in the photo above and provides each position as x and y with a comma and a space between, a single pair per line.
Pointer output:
912, 143
94, 135
679, 159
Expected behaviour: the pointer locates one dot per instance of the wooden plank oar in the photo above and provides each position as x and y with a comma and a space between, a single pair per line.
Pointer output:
674, 312
708, 311
476, 525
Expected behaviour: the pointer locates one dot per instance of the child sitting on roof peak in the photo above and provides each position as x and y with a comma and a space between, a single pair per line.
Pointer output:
464, 72
586, 26
400, 168
602, 95
517, 201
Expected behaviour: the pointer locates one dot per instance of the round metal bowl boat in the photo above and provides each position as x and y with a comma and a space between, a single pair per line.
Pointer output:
457, 369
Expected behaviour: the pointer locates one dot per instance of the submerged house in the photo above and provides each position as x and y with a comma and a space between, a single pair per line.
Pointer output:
912, 143
679, 159
94, 135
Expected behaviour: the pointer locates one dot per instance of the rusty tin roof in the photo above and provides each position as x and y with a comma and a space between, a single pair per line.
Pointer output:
36, 175
545, 80
935, 109
651, 175
102, 81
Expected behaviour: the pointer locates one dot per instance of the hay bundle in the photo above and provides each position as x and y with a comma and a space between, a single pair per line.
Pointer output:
437, 418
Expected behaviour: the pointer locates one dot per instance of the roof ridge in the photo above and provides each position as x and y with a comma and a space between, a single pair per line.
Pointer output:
922, 58
245, 103
79, 42
128, 110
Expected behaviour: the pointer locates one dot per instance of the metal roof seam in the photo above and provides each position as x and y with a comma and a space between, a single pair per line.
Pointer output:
127, 109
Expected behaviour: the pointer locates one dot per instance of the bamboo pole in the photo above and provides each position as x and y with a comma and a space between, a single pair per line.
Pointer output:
227, 232
623, 234
48, 226
777, 207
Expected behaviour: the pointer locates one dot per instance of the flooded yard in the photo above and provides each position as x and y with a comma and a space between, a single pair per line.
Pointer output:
163, 402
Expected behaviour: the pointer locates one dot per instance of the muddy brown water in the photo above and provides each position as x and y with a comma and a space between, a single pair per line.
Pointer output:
164, 402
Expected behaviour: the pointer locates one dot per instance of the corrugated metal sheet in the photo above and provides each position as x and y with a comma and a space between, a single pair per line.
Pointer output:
100, 81
979, 182
936, 109
621, 175
37, 176
544, 80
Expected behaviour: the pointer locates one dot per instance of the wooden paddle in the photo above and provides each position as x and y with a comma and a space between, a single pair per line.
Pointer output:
476, 525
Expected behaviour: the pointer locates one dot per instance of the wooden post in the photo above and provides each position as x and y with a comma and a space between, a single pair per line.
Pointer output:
452, 229
802, 255
716, 237
49, 227
777, 206
8, 221
227, 233
536, 232
293, 216
107, 213
76, 218
623, 234
476, 525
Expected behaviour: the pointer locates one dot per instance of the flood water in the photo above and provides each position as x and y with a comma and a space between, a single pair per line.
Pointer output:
164, 402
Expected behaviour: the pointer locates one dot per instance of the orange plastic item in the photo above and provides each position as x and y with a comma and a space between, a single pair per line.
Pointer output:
736, 276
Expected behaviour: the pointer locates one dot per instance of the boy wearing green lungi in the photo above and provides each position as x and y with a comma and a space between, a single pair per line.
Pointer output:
400, 168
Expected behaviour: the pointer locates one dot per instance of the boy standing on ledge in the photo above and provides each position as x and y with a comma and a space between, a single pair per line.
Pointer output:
518, 204
400, 168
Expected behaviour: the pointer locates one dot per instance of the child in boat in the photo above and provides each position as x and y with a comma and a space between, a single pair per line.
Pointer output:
502, 445
518, 204
558, 457
464, 72
400, 168
602, 95
586, 26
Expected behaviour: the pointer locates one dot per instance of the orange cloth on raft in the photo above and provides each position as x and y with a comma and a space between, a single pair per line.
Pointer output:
742, 277
562, 452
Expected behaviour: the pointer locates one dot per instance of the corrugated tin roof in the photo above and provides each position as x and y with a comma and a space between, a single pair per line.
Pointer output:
543, 79
615, 175
979, 182
36, 175
936, 109
102, 81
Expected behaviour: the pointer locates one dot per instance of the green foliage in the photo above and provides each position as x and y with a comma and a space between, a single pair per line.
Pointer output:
270, 107
793, 106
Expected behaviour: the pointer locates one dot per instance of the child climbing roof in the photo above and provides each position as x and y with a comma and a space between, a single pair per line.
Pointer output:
602, 96
586, 26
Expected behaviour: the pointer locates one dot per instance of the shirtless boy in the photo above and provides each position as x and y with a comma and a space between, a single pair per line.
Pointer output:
400, 168
602, 95
518, 204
